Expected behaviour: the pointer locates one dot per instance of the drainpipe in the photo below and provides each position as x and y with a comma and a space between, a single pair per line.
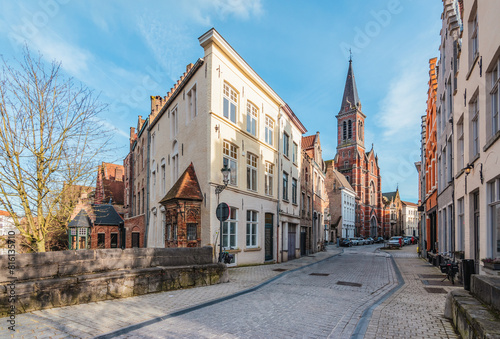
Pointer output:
146, 231
278, 205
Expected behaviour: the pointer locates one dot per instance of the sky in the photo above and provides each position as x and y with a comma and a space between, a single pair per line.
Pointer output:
129, 50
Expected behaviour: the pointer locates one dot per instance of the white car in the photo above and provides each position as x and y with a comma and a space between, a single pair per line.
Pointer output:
396, 241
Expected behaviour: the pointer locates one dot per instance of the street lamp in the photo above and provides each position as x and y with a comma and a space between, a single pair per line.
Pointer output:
218, 189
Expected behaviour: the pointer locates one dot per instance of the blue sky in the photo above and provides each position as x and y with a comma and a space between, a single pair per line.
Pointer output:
129, 50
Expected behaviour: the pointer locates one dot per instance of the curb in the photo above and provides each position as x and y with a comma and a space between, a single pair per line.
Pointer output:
362, 326
134, 327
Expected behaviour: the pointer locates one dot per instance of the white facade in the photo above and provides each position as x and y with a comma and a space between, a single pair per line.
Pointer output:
410, 219
223, 113
348, 200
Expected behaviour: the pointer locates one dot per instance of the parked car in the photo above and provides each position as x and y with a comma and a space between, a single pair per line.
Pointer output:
355, 241
396, 241
379, 240
345, 242
407, 240
361, 241
369, 240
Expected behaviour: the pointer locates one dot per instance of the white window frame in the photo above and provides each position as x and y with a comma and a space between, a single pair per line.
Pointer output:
286, 144
474, 112
493, 193
230, 159
269, 130
252, 118
495, 98
252, 172
230, 230
269, 179
252, 239
285, 186
230, 103
461, 143
295, 148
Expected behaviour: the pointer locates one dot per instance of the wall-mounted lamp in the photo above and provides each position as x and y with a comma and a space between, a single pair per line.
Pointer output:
468, 168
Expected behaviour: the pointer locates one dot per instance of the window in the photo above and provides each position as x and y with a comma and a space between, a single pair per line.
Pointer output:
269, 130
495, 98
82, 232
153, 178
344, 130
174, 123
461, 226
229, 228
494, 215
461, 144
294, 153
230, 158
192, 231
168, 232
286, 142
349, 129
473, 43
449, 161
163, 187
230, 103
285, 186
251, 172
101, 240
269, 179
252, 223
174, 231
175, 162
252, 113
308, 204
135, 239
192, 100
474, 112
294, 191
450, 97
114, 240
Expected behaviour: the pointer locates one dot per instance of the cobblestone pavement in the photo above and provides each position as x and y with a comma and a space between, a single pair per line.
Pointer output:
317, 301
413, 311
325, 300
90, 320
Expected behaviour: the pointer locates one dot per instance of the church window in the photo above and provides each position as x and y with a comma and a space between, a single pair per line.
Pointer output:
372, 194
349, 129
344, 134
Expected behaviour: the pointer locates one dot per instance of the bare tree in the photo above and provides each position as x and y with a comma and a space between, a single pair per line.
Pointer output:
50, 138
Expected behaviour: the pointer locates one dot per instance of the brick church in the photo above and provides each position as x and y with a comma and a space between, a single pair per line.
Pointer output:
359, 166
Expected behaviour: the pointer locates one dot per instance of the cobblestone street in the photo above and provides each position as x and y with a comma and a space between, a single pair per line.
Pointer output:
328, 295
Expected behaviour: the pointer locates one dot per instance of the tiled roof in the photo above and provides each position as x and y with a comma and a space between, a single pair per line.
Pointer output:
308, 141
187, 187
409, 203
389, 195
106, 215
5, 213
81, 220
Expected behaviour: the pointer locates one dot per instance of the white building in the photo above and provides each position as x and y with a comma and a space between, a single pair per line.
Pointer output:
222, 113
410, 218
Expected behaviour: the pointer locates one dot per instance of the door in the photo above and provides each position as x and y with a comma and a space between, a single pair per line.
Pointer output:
303, 241
291, 241
135, 239
268, 241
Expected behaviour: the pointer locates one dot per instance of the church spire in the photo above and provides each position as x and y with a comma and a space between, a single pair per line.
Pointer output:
350, 99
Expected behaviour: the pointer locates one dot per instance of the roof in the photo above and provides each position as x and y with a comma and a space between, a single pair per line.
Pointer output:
5, 213
106, 215
308, 141
350, 98
342, 179
187, 187
407, 203
81, 220
389, 195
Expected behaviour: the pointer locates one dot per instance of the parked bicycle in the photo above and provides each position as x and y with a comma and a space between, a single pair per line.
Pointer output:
225, 257
451, 269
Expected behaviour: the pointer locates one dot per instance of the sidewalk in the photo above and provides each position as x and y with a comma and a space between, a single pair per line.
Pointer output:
416, 309
90, 320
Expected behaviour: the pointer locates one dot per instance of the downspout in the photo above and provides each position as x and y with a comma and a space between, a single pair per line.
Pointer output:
278, 204
146, 231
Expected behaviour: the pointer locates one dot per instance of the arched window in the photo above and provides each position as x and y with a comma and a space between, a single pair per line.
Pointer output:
175, 162
344, 131
372, 194
349, 129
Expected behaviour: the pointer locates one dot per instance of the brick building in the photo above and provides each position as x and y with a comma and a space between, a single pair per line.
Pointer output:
358, 166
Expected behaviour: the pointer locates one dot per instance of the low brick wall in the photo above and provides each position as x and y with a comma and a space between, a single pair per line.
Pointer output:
53, 279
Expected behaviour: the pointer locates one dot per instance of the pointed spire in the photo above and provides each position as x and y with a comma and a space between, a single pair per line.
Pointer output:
350, 99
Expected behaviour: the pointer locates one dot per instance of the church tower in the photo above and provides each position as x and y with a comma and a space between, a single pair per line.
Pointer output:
350, 129
360, 167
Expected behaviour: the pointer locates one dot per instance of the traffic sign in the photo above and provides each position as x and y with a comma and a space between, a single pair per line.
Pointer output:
223, 211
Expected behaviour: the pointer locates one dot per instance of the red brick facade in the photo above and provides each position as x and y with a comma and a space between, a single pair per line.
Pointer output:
358, 166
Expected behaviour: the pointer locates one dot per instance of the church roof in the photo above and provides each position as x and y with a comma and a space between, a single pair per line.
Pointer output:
390, 195
81, 220
350, 97
187, 187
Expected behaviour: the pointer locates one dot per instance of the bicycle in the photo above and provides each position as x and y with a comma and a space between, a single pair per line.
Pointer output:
225, 257
451, 270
